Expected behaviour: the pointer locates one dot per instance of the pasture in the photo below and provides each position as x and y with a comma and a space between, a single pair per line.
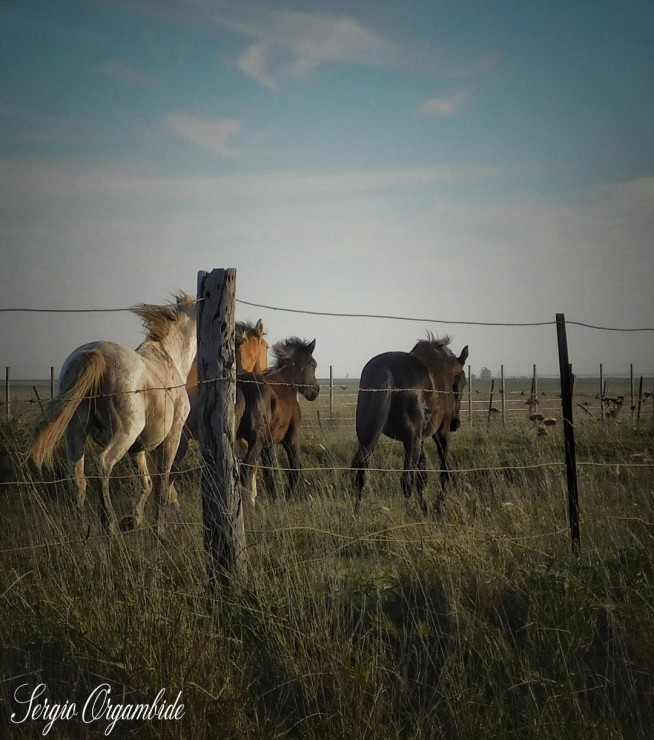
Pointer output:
475, 623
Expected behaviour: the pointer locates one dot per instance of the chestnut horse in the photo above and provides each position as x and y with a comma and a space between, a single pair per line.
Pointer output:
252, 351
129, 401
268, 412
410, 396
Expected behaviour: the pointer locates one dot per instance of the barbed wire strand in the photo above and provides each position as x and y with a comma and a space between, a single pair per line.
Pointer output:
340, 314
349, 469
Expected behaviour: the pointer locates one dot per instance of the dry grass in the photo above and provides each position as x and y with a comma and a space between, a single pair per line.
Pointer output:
478, 623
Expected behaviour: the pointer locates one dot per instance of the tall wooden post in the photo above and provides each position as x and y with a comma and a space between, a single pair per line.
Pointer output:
52, 382
331, 391
631, 389
224, 530
565, 371
7, 393
602, 391
534, 383
503, 393
470, 395
490, 403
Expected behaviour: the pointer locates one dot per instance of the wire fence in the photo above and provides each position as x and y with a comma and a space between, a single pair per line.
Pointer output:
513, 401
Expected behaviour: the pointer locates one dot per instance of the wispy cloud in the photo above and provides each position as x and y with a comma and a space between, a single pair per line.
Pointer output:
293, 44
215, 135
124, 71
255, 63
444, 106
54, 181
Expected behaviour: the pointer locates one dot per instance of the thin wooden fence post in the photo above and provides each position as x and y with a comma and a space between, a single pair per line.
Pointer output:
631, 390
7, 393
533, 402
640, 399
503, 394
52, 383
490, 402
224, 530
565, 371
331, 391
534, 383
470, 395
602, 391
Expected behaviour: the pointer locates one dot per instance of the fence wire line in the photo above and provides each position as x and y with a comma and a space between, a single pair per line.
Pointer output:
433, 321
386, 317
348, 469
235, 381
381, 535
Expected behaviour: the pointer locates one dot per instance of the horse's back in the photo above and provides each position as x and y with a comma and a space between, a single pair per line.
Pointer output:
396, 370
135, 394
124, 366
390, 395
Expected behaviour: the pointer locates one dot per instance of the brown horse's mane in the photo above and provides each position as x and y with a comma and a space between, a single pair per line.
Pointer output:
286, 349
432, 343
157, 320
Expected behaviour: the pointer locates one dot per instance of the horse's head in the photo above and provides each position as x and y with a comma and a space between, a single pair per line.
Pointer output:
458, 386
252, 347
446, 369
294, 358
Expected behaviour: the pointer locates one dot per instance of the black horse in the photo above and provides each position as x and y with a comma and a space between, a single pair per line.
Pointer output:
268, 412
410, 396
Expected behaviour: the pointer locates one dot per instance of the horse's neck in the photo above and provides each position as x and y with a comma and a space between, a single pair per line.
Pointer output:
280, 375
180, 351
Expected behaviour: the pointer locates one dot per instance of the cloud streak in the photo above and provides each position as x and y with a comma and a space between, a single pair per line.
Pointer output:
124, 71
214, 135
444, 106
45, 181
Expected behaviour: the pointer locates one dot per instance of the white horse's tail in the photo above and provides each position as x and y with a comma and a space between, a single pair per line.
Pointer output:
87, 371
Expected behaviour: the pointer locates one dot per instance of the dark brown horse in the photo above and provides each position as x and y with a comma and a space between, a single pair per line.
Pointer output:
410, 396
268, 412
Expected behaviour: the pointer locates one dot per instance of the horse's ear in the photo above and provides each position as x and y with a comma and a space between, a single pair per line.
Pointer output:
259, 328
464, 355
311, 346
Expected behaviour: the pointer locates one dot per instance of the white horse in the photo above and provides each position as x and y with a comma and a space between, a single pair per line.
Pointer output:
128, 401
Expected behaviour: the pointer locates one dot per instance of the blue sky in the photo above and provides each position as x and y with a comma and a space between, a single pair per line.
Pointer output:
461, 161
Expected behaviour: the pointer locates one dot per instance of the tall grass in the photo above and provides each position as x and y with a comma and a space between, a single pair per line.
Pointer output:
476, 623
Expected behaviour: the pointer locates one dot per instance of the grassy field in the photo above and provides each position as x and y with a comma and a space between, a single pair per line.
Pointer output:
478, 623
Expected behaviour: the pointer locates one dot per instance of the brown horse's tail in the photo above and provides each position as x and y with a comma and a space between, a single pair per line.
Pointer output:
87, 371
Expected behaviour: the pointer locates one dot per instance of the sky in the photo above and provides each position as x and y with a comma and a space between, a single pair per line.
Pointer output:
470, 163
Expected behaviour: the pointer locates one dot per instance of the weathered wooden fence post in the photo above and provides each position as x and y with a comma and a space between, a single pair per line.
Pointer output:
470, 395
331, 391
503, 393
7, 393
565, 371
490, 403
224, 530
52, 382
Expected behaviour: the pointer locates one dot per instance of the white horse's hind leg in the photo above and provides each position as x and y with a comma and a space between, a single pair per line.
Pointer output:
163, 490
146, 487
75, 442
111, 454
